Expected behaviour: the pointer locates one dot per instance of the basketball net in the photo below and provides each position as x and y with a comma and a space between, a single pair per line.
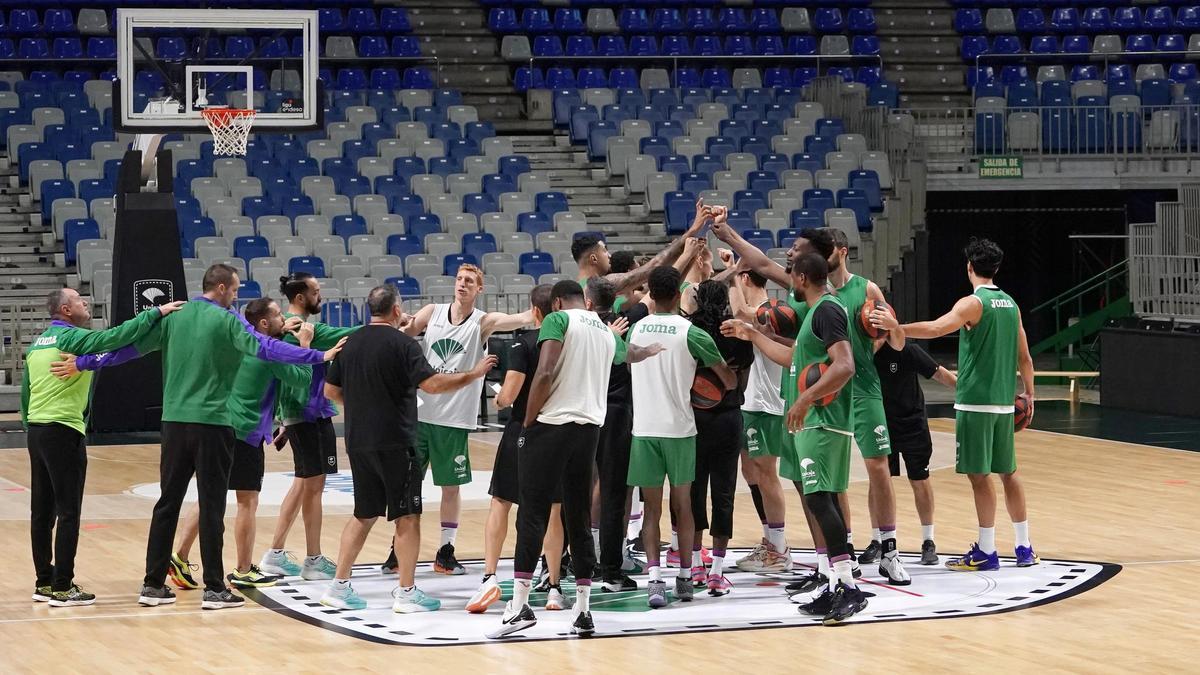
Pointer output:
230, 128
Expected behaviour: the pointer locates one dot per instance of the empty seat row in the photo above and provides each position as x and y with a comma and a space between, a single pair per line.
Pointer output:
976, 45
1093, 20
671, 20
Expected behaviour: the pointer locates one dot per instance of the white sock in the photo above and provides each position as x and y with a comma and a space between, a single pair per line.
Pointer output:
674, 540
684, 572
850, 538
927, 532
766, 532
844, 572
718, 565
449, 532
521, 588
876, 534
777, 539
314, 559
275, 551
823, 566
583, 598
596, 539
655, 573
987, 539
340, 584
1021, 533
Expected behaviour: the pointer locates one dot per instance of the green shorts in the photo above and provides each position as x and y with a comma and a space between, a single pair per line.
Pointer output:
762, 433
651, 459
870, 427
822, 461
444, 450
984, 442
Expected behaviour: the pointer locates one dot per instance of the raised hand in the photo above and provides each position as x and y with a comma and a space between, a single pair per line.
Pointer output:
304, 334
619, 326
331, 353
485, 364
736, 328
171, 307
726, 256
292, 323
64, 369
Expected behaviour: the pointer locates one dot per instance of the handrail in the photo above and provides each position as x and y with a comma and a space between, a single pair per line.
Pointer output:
877, 59
1105, 57
1085, 286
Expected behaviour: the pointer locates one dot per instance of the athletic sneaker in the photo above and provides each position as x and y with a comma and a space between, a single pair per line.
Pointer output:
683, 589
180, 572
566, 567
390, 566
542, 585
673, 556
699, 576
342, 598
555, 600
631, 564
321, 569
870, 554
855, 568
282, 563
892, 569
445, 562
583, 625
489, 592
72, 597
752, 556
1026, 557
656, 593
845, 603
152, 597
411, 602
929, 554
222, 599
762, 557
718, 585
514, 619
807, 584
975, 561
618, 584
42, 593
776, 561
252, 578
820, 605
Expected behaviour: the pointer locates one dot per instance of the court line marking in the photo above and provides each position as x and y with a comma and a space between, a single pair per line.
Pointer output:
1159, 562
131, 615
1111, 440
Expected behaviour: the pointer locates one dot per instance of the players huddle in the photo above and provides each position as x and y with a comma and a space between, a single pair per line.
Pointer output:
633, 376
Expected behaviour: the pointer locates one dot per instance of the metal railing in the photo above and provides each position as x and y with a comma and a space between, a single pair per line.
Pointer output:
1164, 261
1064, 59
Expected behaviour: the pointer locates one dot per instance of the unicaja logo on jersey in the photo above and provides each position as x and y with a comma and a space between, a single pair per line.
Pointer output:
445, 350
460, 464
880, 432
807, 473
752, 439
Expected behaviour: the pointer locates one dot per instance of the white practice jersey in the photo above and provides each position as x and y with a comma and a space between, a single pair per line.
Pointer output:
762, 386
452, 349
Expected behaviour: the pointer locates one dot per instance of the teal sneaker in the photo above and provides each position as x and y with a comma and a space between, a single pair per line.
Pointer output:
318, 568
345, 598
279, 562
410, 602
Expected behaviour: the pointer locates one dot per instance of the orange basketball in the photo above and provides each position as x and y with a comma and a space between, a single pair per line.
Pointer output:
864, 317
1021, 417
707, 389
811, 375
780, 317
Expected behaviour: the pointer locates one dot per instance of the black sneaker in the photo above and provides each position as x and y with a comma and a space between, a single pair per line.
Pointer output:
153, 597
72, 597
42, 593
583, 625
565, 569
390, 566
846, 602
618, 584
445, 562
222, 599
870, 554
820, 605
929, 554
807, 584
514, 619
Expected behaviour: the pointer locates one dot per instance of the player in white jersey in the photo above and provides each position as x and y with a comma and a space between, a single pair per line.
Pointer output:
664, 426
567, 404
455, 339
763, 435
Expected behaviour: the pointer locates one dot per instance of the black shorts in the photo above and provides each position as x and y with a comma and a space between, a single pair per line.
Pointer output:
314, 447
505, 483
916, 447
248, 467
386, 483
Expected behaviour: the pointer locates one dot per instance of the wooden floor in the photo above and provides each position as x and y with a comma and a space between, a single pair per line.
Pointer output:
1092, 500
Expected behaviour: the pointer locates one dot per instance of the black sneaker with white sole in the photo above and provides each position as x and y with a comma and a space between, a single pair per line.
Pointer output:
583, 625
153, 597
845, 603
618, 584
929, 554
514, 619
818, 606
807, 584
42, 593
222, 599
870, 554
72, 597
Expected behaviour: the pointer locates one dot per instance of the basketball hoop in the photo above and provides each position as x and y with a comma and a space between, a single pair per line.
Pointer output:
230, 128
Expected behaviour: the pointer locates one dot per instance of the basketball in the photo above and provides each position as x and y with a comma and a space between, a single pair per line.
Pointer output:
1021, 415
864, 316
811, 375
707, 389
780, 317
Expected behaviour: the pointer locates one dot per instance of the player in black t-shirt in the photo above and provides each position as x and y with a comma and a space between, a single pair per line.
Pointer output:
908, 426
376, 378
505, 489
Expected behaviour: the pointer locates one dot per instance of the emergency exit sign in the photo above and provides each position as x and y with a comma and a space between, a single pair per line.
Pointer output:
1000, 167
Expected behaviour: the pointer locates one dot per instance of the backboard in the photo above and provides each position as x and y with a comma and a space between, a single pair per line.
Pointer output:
173, 63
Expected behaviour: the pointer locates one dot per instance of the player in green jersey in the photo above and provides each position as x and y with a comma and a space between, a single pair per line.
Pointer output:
991, 347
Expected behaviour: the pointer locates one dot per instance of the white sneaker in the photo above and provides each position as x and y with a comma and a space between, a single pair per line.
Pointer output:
776, 561
516, 618
489, 592
342, 598
411, 602
282, 563
555, 600
892, 569
752, 562
321, 569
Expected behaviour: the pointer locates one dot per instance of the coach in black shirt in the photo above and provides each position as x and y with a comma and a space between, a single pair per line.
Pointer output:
376, 380
908, 426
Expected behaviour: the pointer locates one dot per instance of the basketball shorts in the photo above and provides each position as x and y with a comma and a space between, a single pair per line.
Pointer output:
652, 459
870, 427
916, 447
386, 483
983, 442
822, 461
762, 433
314, 447
248, 467
506, 484
444, 451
